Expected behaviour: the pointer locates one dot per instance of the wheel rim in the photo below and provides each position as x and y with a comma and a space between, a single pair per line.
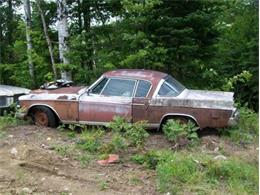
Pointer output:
41, 118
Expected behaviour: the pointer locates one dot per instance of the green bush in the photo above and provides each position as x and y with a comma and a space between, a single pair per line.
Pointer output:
91, 140
175, 130
7, 120
117, 144
247, 130
135, 134
119, 125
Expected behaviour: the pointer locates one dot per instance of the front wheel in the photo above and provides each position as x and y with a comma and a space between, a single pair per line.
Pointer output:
43, 116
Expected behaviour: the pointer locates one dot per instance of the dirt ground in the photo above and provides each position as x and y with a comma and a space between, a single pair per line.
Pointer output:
29, 165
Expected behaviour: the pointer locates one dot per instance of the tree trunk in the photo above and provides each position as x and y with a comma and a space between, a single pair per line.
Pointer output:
27, 13
47, 38
63, 36
10, 26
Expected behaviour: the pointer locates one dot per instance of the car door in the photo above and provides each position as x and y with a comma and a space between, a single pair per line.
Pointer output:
141, 102
110, 97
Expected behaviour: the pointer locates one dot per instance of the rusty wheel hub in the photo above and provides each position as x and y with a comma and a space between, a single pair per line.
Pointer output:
41, 118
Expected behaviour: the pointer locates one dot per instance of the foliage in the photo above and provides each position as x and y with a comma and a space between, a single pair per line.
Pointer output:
179, 172
247, 130
217, 41
135, 133
84, 159
91, 140
117, 144
175, 130
119, 125
64, 150
8, 120
239, 176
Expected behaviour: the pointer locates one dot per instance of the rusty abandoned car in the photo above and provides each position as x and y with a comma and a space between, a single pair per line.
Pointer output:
134, 94
9, 95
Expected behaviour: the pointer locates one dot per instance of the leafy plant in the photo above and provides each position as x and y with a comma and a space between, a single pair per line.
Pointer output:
119, 125
118, 142
174, 130
137, 134
247, 130
91, 140
134, 133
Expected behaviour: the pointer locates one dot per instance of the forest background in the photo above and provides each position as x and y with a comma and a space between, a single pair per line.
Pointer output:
204, 44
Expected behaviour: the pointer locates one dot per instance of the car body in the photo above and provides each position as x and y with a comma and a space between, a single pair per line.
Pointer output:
133, 94
9, 95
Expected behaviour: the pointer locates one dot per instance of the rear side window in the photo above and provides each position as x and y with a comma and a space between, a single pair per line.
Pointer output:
167, 91
119, 87
142, 89
98, 88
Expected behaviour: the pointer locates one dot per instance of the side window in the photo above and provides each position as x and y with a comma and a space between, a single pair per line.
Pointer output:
98, 88
143, 88
119, 87
167, 91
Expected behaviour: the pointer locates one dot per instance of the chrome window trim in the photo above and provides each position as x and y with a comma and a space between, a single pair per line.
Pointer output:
98, 84
94, 84
158, 88
108, 79
155, 95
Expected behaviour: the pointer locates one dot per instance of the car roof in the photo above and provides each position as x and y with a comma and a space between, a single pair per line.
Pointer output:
150, 75
8, 90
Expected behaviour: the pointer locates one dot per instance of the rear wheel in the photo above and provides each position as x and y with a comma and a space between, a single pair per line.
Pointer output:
43, 116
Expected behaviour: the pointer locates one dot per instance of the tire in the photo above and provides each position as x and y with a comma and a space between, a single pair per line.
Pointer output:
43, 116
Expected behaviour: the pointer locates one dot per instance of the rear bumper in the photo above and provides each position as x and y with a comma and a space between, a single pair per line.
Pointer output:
234, 119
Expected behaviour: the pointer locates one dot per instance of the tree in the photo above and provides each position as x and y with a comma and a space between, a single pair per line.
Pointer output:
47, 38
27, 13
63, 38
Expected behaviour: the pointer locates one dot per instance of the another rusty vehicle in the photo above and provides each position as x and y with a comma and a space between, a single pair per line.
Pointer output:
134, 94
9, 95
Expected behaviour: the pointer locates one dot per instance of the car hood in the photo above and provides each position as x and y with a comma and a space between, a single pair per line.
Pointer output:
7, 90
65, 93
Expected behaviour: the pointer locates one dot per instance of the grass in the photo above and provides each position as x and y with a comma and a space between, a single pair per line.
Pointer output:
178, 172
103, 185
184, 172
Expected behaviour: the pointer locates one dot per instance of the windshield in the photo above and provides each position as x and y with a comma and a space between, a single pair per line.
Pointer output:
170, 88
